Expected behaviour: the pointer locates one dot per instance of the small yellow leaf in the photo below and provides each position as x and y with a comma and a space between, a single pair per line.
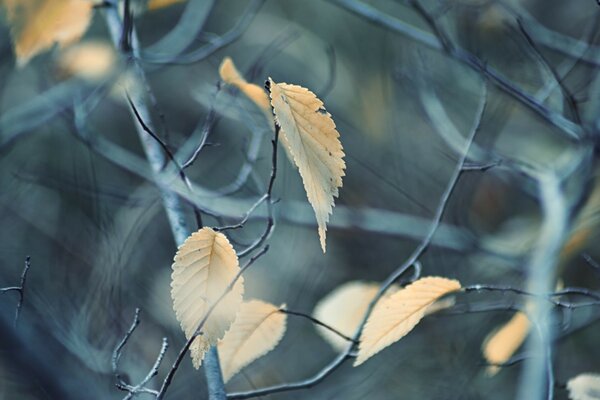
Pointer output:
313, 142
502, 343
203, 267
157, 4
230, 75
396, 316
584, 387
91, 60
36, 25
257, 329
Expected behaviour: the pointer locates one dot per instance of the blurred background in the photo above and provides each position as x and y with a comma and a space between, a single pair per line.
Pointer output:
100, 243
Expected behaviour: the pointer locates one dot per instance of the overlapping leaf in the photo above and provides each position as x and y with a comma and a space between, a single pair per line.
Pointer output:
257, 329
37, 25
343, 309
204, 265
397, 315
314, 144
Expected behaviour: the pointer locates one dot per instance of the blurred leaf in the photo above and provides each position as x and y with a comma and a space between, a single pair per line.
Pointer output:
343, 309
396, 316
257, 329
91, 60
501, 344
230, 75
584, 387
203, 267
314, 143
157, 4
36, 25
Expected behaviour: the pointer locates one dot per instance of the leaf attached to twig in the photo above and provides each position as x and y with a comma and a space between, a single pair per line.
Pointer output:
396, 316
257, 329
314, 144
203, 268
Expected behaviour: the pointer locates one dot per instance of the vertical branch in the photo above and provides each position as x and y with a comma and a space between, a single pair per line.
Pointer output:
538, 370
173, 205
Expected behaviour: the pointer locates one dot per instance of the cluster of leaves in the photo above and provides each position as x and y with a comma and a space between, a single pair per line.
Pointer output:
207, 283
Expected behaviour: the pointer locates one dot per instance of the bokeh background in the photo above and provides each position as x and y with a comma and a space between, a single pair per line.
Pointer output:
100, 243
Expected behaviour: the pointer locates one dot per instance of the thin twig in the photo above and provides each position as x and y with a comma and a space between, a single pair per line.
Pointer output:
19, 289
268, 198
317, 322
132, 390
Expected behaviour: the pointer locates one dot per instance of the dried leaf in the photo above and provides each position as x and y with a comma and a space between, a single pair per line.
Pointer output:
157, 4
36, 25
502, 343
257, 329
584, 387
91, 60
396, 316
230, 75
313, 141
203, 267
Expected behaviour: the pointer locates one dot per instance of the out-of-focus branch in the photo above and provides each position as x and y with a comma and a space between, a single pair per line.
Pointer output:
19, 289
442, 43
541, 271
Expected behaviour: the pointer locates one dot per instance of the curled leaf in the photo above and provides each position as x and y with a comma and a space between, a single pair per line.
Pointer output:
394, 317
257, 329
204, 266
313, 142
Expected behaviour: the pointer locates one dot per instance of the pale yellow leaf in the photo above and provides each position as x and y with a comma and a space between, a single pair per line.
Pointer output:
203, 267
36, 25
258, 328
584, 387
502, 343
230, 75
157, 4
343, 309
91, 60
314, 144
396, 316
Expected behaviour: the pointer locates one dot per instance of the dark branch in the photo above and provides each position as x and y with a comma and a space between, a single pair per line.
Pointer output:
19, 289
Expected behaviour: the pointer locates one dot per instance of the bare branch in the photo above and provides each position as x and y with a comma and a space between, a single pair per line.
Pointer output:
134, 390
317, 322
19, 289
